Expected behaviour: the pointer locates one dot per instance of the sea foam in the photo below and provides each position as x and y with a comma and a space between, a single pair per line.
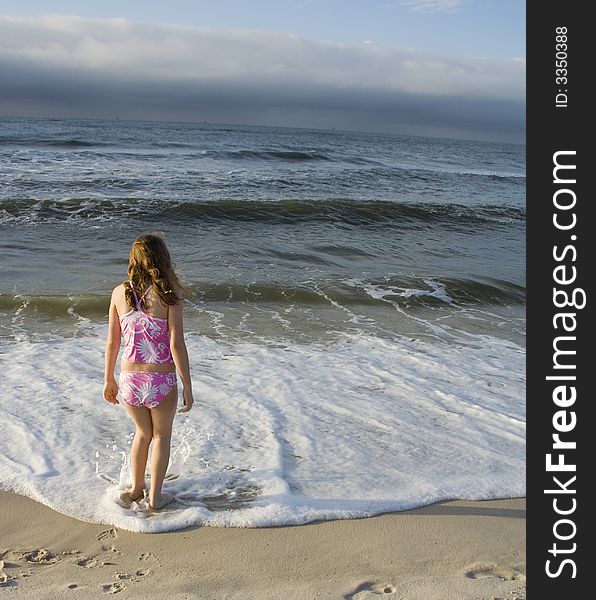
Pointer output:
280, 433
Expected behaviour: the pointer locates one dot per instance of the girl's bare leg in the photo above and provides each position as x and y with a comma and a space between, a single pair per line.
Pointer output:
162, 417
140, 447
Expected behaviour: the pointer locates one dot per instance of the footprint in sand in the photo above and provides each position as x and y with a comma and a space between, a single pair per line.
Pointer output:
148, 557
113, 588
111, 549
7, 580
39, 556
107, 534
484, 570
86, 561
150, 561
370, 589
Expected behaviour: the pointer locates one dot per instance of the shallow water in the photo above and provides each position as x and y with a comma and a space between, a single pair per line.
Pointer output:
356, 327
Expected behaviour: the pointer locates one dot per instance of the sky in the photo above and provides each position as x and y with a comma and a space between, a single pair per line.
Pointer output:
452, 68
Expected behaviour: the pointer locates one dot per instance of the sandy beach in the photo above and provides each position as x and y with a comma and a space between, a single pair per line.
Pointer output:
453, 550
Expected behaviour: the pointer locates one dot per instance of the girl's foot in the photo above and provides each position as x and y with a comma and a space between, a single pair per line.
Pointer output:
163, 500
125, 499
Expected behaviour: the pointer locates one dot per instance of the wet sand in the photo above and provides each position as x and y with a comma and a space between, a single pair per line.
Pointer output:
453, 550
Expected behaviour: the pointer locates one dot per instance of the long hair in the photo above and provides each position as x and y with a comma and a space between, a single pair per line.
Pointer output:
150, 264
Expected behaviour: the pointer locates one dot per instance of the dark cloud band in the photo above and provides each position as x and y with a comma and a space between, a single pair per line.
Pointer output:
258, 89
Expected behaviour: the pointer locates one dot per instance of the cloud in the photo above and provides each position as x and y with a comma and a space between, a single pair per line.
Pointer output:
104, 67
433, 6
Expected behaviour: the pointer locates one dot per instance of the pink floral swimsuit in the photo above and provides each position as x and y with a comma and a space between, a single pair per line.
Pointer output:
146, 340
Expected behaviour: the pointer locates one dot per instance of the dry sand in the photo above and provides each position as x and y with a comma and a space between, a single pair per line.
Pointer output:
452, 550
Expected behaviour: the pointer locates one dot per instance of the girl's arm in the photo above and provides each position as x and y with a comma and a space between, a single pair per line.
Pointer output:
110, 390
180, 353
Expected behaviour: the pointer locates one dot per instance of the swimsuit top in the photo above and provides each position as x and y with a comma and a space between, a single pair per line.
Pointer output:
146, 338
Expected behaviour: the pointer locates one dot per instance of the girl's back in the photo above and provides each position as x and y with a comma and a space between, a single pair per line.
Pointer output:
152, 303
146, 335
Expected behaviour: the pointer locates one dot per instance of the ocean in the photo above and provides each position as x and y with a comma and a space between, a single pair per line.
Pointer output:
356, 328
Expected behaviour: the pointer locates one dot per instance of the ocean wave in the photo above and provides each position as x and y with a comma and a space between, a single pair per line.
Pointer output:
407, 292
445, 290
291, 155
243, 154
353, 212
51, 143
472, 172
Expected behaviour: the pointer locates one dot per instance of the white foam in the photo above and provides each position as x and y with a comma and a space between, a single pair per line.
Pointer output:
437, 290
278, 435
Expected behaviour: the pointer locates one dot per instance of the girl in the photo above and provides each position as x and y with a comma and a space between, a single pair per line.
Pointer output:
147, 312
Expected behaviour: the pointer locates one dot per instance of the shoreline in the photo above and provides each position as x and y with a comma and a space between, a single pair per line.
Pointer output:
460, 550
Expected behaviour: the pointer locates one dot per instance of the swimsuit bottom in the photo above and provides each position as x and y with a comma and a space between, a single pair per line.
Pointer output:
145, 388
